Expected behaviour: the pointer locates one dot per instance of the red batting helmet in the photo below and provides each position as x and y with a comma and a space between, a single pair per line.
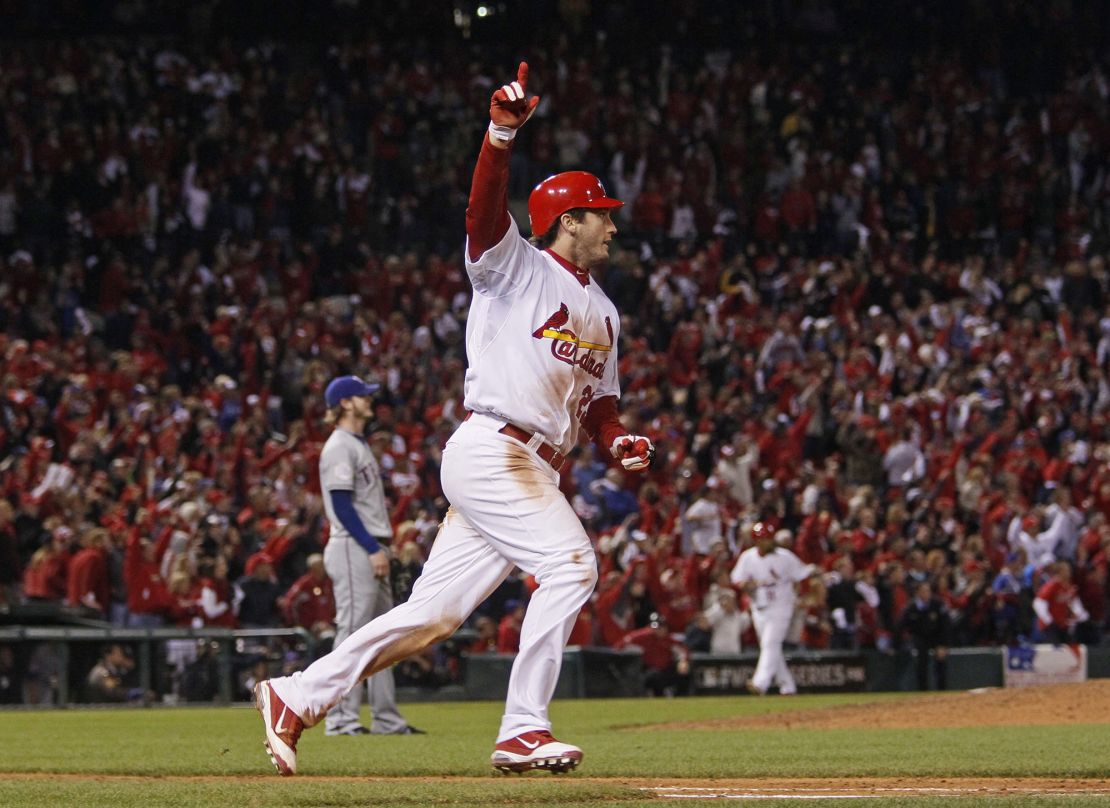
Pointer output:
763, 530
562, 192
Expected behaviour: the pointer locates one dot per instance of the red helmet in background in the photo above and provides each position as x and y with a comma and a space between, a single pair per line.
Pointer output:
763, 530
562, 192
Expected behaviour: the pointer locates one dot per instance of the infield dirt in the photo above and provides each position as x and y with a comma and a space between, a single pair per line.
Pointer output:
1087, 703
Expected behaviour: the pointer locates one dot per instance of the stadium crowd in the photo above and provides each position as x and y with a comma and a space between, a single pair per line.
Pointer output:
863, 278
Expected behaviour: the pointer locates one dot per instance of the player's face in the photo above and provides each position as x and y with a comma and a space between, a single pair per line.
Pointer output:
362, 406
593, 235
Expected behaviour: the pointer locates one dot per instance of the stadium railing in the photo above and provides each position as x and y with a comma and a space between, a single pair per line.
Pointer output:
149, 644
230, 657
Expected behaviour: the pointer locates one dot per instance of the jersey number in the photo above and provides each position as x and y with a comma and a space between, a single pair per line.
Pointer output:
584, 401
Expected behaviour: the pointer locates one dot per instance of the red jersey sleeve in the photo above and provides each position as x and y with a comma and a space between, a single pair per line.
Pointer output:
487, 213
602, 423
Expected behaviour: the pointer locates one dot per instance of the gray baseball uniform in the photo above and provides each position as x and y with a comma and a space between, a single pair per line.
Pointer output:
347, 464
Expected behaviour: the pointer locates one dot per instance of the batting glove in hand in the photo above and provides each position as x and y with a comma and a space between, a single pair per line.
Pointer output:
634, 451
509, 108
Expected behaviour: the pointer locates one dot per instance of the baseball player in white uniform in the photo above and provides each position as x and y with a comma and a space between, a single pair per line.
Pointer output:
769, 573
541, 340
355, 558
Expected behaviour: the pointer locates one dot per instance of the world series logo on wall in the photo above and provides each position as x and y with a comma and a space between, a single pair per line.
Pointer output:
714, 674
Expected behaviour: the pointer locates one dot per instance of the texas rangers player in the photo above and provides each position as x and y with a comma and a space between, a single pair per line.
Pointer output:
541, 339
356, 559
768, 573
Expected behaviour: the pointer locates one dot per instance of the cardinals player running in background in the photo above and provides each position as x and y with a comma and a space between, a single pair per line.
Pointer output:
768, 574
541, 340
1058, 607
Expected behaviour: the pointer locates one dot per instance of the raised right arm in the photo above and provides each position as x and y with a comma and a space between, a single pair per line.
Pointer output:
487, 213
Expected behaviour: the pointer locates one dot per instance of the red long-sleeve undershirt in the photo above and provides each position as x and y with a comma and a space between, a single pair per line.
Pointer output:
487, 213
602, 422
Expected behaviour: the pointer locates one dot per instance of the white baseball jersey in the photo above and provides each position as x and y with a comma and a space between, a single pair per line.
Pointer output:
540, 345
347, 464
774, 575
704, 520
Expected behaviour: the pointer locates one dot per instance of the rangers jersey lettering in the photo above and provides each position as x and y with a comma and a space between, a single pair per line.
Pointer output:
347, 464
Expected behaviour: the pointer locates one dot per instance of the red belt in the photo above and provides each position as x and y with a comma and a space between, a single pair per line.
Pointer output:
548, 453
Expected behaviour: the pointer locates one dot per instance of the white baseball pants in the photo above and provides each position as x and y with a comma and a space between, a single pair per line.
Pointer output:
506, 510
770, 627
360, 596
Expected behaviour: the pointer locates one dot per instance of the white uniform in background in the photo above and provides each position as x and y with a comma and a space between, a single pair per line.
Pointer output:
772, 607
728, 628
703, 521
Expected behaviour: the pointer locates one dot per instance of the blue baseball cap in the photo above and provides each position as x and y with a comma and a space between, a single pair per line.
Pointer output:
347, 387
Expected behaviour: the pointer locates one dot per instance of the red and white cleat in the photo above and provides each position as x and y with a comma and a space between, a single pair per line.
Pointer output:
535, 750
283, 728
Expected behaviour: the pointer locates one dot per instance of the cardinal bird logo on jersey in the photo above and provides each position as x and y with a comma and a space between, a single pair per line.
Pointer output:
555, 322
567, 347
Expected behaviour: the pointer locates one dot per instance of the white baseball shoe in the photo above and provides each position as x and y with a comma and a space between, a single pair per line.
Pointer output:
536, 749
283, 728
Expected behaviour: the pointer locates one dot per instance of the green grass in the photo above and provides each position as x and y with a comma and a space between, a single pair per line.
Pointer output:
491, 794
222, 745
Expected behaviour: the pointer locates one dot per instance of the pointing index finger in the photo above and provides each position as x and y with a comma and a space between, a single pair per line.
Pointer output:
522, 74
